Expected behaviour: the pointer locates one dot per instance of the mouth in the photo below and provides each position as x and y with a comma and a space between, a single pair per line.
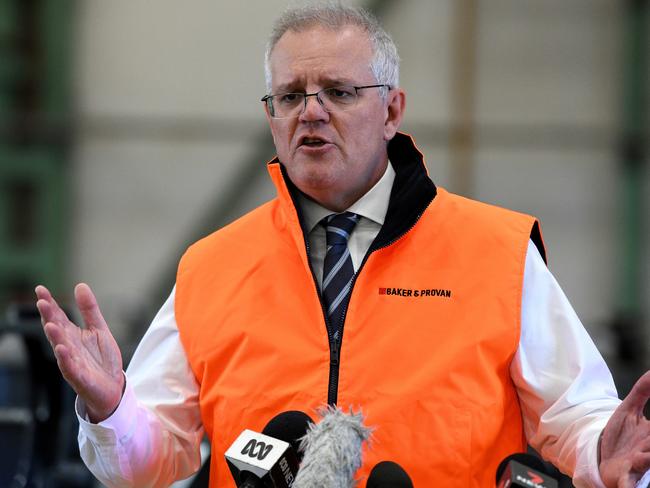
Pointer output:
313, 142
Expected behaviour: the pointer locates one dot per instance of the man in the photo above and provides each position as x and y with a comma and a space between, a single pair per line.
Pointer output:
363, 285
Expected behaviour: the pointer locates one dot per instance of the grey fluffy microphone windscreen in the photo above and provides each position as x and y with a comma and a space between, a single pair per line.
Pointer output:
332, 450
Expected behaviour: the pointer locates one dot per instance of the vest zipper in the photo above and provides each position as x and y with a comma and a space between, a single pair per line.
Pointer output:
335, 345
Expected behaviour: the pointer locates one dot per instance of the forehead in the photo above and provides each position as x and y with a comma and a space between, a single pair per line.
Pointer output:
319, 55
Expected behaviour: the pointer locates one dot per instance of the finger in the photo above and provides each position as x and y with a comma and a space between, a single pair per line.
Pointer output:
644, 445
52, 311
641, 462
88, 307
639, 394
44, 310
48, 313
55, 334
42, 293
625, 480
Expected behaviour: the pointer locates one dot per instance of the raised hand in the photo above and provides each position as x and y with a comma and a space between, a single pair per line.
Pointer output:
625, 445
89, 358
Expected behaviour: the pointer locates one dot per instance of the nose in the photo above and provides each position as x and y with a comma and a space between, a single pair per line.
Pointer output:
313, 110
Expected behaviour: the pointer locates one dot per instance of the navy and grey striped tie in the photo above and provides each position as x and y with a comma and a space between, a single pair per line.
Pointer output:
337, 268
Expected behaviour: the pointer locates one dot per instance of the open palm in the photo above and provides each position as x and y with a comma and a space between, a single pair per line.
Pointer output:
625, 446
89, 358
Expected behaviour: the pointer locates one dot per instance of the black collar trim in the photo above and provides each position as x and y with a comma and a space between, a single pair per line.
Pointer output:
413, 191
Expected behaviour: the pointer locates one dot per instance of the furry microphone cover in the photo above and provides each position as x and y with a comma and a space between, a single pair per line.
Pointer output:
332, 450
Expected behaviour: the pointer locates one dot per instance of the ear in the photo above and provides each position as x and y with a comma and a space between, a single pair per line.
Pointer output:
269, 119
266, 112
396, 100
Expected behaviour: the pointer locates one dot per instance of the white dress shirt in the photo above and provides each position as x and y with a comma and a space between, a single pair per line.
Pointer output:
565, 388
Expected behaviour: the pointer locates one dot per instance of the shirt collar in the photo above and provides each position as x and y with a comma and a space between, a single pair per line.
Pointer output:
373, 205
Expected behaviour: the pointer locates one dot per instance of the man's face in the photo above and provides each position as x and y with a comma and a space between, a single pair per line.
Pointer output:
334, 158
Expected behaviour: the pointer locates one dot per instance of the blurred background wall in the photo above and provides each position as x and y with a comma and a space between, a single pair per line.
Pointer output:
131, 128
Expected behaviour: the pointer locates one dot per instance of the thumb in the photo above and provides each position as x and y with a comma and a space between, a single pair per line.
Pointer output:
639, 394
88, 307
625, 481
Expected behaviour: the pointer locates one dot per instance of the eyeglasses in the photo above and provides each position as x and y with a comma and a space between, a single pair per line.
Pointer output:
334, 99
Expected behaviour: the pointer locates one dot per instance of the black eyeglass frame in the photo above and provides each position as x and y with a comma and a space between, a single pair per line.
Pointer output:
268, 99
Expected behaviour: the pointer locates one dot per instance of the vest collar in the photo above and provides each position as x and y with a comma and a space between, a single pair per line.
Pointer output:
412, 191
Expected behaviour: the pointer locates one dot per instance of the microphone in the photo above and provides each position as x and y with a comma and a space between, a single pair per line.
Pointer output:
269, 458
521, 470
289, 427
332, 450
388, 474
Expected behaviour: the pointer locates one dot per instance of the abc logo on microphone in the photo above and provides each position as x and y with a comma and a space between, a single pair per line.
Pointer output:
257, 449
263, 457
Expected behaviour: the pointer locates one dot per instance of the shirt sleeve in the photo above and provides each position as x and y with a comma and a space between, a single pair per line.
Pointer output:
153, 437
566, 390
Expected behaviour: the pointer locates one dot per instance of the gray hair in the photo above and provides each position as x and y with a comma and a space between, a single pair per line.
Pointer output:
385, 60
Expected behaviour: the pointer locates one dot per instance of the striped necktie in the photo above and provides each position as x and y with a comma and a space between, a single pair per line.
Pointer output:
337, 268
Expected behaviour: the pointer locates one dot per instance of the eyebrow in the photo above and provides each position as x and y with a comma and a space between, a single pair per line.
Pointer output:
338, 81
295, 86
287, 87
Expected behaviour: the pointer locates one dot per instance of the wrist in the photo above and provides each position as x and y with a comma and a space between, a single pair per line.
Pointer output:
99, 413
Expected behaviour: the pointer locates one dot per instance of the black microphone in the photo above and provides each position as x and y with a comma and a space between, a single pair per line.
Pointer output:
522, 470
388, 474
269, 458
289, 427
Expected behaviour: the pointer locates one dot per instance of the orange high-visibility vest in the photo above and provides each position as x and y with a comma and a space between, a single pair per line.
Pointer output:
430, 332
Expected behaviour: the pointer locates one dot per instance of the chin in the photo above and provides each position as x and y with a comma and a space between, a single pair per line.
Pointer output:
315, 183
318, 174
